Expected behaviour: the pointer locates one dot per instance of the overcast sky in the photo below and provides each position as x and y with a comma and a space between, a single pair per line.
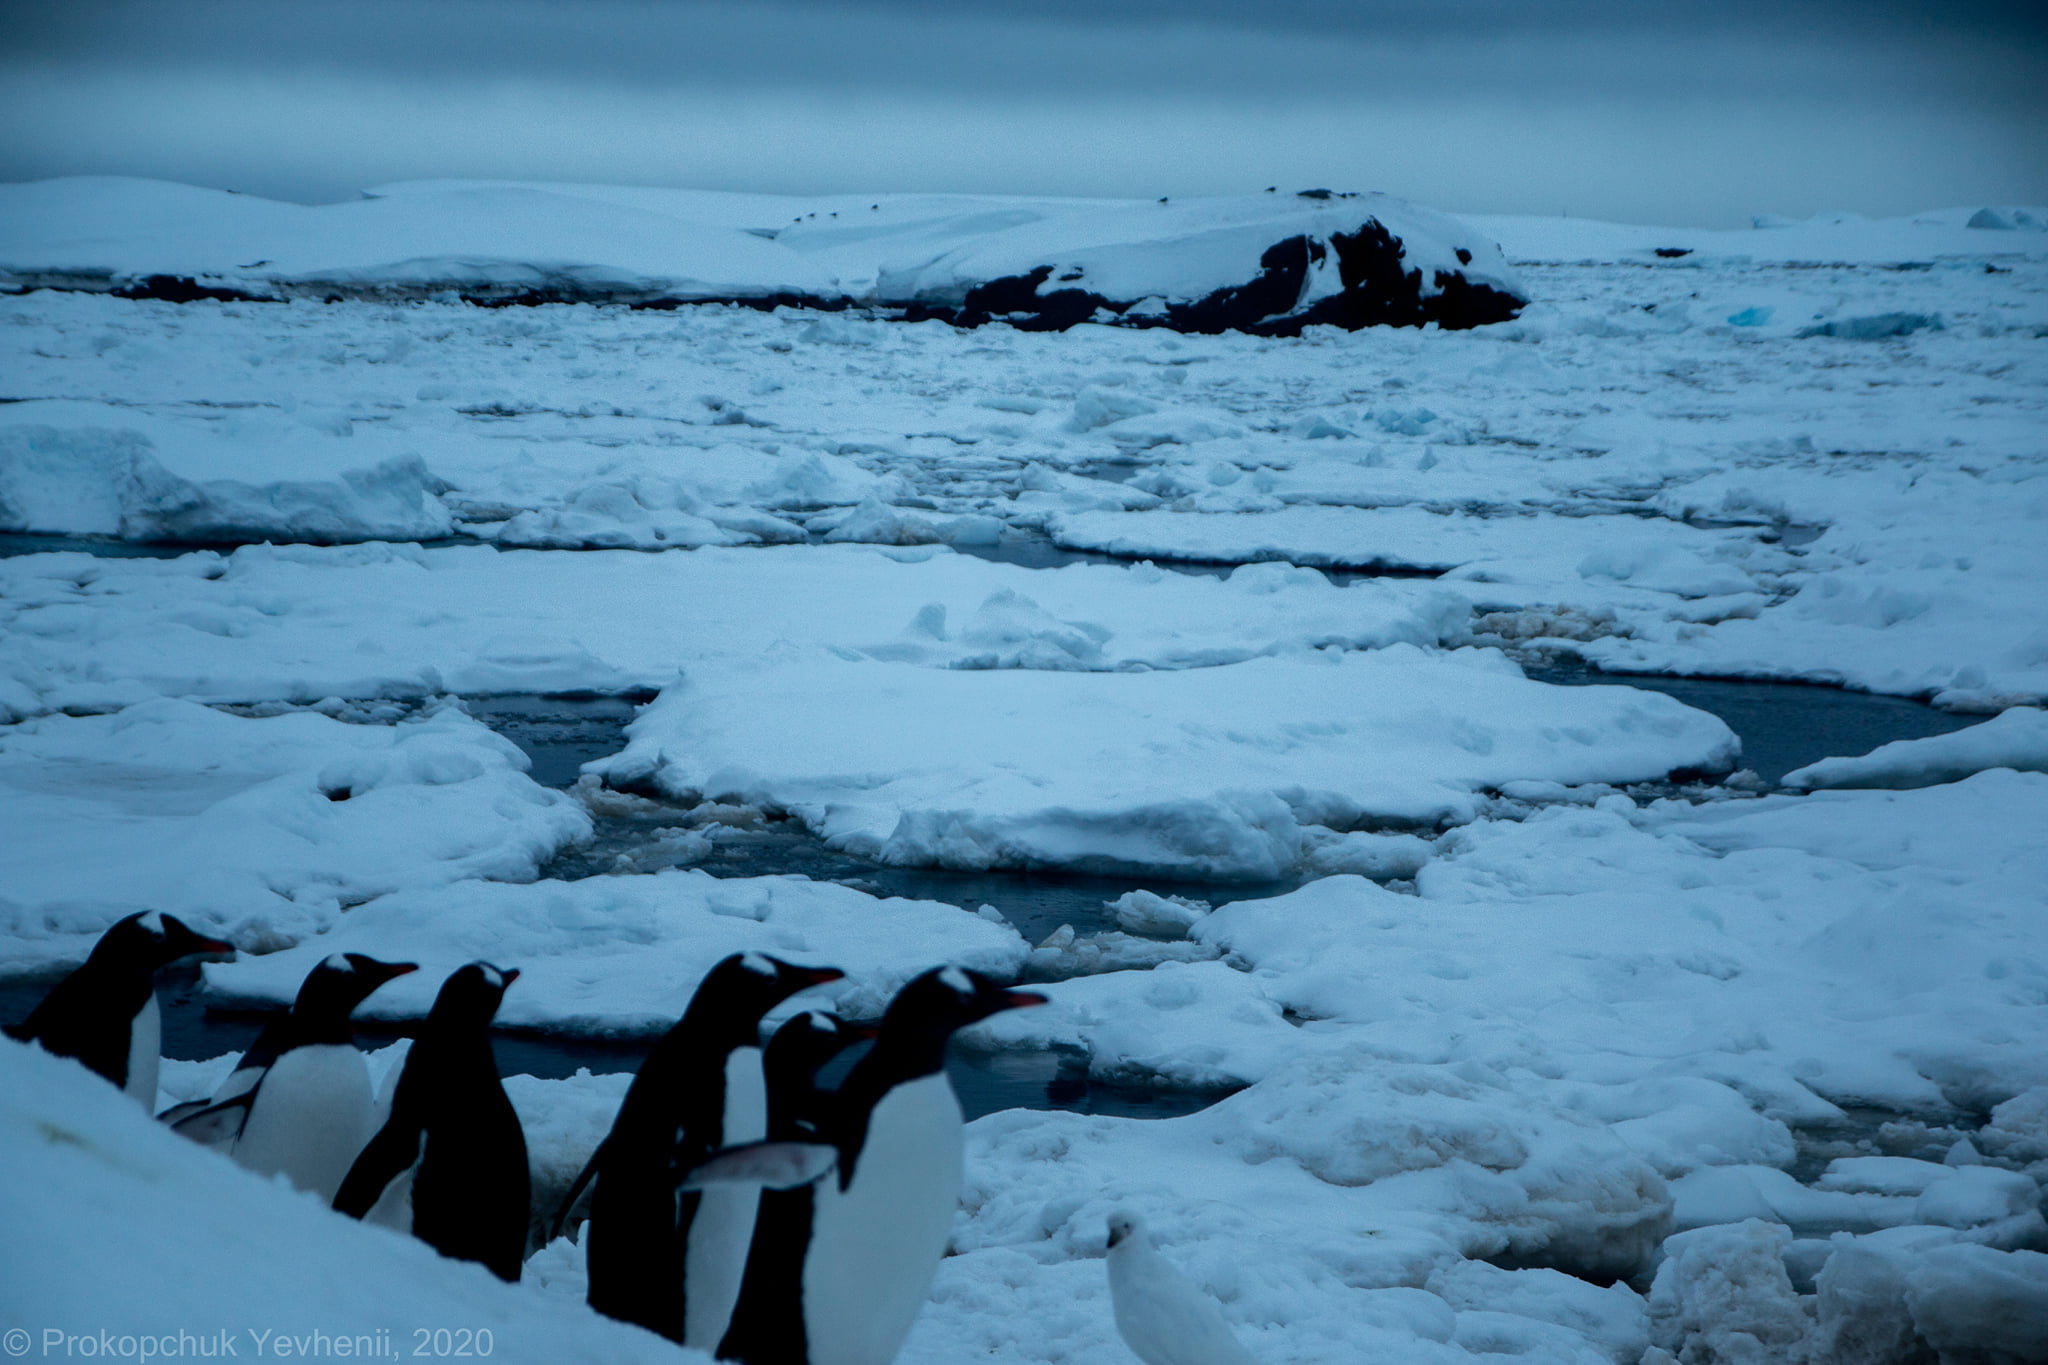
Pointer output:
1635, 110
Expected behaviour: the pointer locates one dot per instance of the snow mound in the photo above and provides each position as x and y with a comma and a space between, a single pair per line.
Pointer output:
1722, 1297
268, 828
1205, 771
1270, 264
150, 1237
2016, 738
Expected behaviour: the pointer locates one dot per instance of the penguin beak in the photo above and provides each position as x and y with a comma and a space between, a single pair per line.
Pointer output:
818, 976
510, 975
1017, 1000
212, 947
861, 1032
381, 972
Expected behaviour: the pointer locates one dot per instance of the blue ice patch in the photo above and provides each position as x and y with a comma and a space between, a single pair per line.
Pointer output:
1751, 317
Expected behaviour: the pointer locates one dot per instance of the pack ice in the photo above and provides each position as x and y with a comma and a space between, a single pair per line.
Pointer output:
1542, 1055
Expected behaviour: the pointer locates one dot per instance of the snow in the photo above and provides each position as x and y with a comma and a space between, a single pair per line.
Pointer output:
1037, 766
622, 955
300, 623
2016, 739
61, 473
1766, 1065
140, 1234
504, 238
301, 816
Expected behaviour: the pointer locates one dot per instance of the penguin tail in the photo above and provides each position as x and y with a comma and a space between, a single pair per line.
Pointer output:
212, 1125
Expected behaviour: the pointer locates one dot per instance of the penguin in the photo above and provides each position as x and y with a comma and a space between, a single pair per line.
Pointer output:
449, 1164
880, 1219
662, 1256
105, 1014
795, 1114
1163, 1317
299, 1100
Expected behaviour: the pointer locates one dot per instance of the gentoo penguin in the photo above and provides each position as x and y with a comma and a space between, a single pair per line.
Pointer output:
105, 1013
299, 1100
667, 1258
880, 1220
1163, 1317
449, 1165
782, 1226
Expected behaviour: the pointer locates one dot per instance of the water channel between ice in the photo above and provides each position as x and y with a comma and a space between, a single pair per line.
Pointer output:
1782, 726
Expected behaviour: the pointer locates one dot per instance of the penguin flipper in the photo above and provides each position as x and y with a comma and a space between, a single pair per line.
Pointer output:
387, 1156
577, 1191
177, 1113
215, 1125
771, 1165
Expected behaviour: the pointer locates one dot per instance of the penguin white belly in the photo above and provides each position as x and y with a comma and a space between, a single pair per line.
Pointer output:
393, 1208
715, 1257
310, 1119
145, 1053
876, 1246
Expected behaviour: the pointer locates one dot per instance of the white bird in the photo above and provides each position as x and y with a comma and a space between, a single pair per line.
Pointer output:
1164, 1318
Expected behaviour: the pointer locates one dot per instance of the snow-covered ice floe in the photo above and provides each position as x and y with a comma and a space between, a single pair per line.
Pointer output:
1593, 1029
622, 955
1210, 772
65, 468
1265, 263
300, 623
2016, 739
266, 828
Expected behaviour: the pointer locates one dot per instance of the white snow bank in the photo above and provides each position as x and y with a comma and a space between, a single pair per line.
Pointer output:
589, 242
1905, 1295
299, 623
621, 955
1209, 771
1827, 238
2016, 738
266, 829
140, 1234
477, 236
109, 481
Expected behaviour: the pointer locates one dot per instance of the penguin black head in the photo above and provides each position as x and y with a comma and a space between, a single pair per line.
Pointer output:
806, 1042
738, 991
950, 998
928, 1011
333, 989
471, 995
150, 940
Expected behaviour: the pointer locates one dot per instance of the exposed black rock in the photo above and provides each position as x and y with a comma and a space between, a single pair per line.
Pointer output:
1672, 253
184, 289
1376, 291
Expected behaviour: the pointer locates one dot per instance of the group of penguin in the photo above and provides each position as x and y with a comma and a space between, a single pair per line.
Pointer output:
737, 1206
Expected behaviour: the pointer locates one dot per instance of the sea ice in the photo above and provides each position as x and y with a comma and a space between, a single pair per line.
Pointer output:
264, 828
1197, 772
